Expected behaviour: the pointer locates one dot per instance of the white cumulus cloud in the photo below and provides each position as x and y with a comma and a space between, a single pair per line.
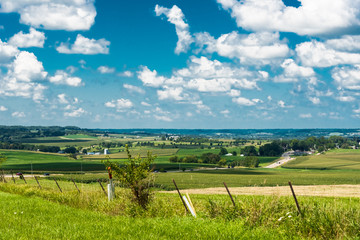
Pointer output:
176, 17
313, 17
63, 78
254, 48
22, 76
26, 68
292, 72
18, 114
125, 74
305, 115
7, 52
314, 100
3, 109
345, 98
133, 88
163, 118
83, 45
77, 112
245, 102
106, 69
150, 78
120, 104
347, 77
55, 14
170, 93
320, 54
24, 40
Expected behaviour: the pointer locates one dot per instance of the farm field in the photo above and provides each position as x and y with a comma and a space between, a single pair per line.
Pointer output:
19, 160
46, 162
334, 159
237, 177
134, 152
240, 177
61, 141
79, 136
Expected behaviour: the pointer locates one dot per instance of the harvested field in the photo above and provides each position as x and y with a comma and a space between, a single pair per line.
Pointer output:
312, 190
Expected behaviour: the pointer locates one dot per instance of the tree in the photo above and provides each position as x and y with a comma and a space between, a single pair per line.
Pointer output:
210, 158
135, 174
222, 162
223, 151
72, 156
249, 151
251, 161
70, 150
174, 159
271, 149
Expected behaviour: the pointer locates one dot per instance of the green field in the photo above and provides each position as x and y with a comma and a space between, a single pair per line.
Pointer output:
335, 159
79, 136
46, 162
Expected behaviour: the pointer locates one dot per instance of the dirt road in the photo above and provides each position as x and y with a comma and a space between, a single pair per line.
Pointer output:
285, 158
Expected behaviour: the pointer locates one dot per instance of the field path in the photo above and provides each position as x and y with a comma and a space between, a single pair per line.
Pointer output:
311, 190
285, 158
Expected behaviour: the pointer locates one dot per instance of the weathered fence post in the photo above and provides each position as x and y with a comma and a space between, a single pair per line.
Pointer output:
75, 185
229, 194
12, 175
293, 193
37, 182
191, 204
4, 176
180, 196
102, 187
22, 176
57, 184
110, 186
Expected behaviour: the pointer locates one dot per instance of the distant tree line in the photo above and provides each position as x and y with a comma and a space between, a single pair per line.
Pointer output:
16, 133
277, 147
210, 158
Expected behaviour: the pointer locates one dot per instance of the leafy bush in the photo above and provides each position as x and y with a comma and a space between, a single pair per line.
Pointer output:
135, 174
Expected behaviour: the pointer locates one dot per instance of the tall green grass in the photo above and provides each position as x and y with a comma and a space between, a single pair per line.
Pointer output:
34, 213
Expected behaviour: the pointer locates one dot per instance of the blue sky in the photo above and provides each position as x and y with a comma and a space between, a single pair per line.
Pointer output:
180, 64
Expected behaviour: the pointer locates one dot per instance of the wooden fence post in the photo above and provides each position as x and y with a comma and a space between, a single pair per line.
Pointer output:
229, 194
4, 176
12, 175
37, 182
180, 196
57, 184
296, 202
22, 176
75, 185
102, 187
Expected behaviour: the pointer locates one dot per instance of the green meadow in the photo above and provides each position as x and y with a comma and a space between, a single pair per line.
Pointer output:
334, 159
32, 213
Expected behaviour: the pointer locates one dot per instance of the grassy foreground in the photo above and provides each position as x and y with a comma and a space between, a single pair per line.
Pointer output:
35, 218
31, 213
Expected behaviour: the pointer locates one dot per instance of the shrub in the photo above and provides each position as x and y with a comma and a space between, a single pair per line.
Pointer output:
135, 174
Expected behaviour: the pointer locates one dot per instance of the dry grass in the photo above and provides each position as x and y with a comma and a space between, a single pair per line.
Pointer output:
312, 190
